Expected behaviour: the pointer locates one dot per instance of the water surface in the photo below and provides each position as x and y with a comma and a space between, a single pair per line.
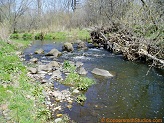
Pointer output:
129, 94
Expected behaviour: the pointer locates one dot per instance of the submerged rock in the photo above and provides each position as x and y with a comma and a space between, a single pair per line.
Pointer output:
67, 47
39, 51
54, 52
101, 72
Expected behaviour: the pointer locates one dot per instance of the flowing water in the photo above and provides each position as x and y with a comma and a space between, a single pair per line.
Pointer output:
129, 94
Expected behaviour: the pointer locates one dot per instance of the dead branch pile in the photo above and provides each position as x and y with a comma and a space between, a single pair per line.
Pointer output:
121, 41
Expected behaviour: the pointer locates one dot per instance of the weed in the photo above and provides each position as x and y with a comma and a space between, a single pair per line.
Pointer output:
68, 67
27, 36
81, 99
14, 36
74, 79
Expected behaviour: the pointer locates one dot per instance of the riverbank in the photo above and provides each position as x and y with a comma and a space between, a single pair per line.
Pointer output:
119, 40
21, 98
71, 34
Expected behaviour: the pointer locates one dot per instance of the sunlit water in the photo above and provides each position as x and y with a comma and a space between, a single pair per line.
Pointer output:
129, 94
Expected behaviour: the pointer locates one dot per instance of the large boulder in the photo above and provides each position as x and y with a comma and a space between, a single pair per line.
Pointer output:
39, 51
81, 45
54, 52
101, 72
67, 47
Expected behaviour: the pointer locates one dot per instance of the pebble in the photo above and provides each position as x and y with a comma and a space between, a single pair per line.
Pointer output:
58, 120
59, 115
76, 91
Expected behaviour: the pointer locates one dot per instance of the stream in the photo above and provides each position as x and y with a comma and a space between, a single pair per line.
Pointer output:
129, 94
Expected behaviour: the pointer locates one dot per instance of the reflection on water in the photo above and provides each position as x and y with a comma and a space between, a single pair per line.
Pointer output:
130, 94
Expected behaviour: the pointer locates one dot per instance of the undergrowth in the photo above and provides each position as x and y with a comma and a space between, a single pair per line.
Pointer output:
22, 96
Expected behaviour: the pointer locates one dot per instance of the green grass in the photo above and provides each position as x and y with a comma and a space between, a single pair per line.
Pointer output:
75, 80
15, 87
72, 34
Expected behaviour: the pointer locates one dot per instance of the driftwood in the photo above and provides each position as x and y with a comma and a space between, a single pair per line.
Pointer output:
121, 41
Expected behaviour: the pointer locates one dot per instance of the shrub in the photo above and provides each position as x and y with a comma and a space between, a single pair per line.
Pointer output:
27, 36
39, 36
80, 99
14, 36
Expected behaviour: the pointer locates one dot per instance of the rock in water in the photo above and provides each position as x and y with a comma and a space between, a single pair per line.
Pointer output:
82, 71
34, 60
54, 64
58, 120
32, 70
81, 45
39, 51
54, 52
101, 72
67, 47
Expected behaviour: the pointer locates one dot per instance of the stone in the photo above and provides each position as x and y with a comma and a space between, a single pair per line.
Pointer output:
69, 106
59, 115
32, 70
76, 91
57, 108
54, 64
101, 72
57, 120
54, 52
34, 60
82, 71
78, 64
46, 67
56, 75
39, 51
81, 45
67, 47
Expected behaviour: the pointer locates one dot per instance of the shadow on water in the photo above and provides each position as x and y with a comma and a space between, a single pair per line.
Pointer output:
129, 94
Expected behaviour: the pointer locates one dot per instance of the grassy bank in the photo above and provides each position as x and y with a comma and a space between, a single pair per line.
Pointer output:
72, 34
20, 97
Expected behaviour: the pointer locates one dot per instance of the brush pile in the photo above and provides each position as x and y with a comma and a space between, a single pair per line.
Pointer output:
121, 41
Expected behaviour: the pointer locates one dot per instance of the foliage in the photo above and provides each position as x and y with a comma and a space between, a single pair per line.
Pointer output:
16, 88
68, 67
27, 36
81, 99
82, 83
14, 36
39, 36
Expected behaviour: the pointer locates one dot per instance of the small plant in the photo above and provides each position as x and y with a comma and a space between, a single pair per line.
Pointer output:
37, 91
43, 114
81, 99
68, 67
82, 83
14, 36
39, 36
27, 36
48, 37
